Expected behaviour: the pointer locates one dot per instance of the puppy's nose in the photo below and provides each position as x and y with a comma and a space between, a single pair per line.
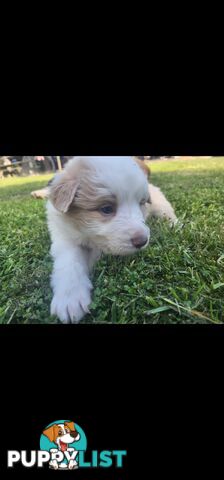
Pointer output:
139, 241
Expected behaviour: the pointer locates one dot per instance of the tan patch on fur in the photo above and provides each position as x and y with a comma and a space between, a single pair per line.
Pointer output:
81, 217
92, 197
70, 425
85, 208
65, 186
72, 429
78, 193
63, 194
143, 165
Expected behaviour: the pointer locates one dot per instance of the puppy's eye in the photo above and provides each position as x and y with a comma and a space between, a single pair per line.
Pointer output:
60, 433
67, 430
107, 209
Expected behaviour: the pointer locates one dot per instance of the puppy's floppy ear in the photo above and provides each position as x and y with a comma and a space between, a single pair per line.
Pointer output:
70, 425
143, 165
49, 432
62, 194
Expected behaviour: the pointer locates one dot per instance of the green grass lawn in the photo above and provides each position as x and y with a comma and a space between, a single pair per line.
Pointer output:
178, 279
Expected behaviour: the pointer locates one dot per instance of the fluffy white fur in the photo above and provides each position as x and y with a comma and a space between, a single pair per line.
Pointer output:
80, 231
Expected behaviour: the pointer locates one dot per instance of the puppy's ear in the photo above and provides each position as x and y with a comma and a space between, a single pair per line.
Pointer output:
62, 194
70, 425
143, 165
49, 432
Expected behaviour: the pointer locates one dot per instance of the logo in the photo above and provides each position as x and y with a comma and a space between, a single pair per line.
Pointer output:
63, 446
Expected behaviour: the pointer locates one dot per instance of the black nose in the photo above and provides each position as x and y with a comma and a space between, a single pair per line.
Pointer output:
139, 241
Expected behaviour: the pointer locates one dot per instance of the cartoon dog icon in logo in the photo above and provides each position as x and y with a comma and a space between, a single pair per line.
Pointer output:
62, 434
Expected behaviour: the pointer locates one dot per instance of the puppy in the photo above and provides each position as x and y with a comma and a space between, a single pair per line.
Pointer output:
62, 435
96, 205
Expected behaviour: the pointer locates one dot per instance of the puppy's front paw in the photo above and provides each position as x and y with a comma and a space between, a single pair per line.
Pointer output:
72, 306
173, 220
40, 193
53, 464
72, 465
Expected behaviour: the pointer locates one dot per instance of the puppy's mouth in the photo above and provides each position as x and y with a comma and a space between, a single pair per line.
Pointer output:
63, 446
124, 251
130, 249
110, 246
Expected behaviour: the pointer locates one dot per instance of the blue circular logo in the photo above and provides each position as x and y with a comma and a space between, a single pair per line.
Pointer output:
62, 436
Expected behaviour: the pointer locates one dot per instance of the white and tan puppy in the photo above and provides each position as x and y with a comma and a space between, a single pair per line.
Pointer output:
96, 205
63, 435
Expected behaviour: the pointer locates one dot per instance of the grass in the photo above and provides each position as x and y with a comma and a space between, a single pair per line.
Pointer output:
179, 279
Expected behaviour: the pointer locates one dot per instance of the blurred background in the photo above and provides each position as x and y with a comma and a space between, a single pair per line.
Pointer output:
33, 165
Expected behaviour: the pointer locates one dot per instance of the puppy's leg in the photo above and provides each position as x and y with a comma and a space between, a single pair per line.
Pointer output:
43, 193
160, 207
70, 282
72, 464
53, 464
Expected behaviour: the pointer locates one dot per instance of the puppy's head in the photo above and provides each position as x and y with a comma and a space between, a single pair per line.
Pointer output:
105, 199
62, 434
